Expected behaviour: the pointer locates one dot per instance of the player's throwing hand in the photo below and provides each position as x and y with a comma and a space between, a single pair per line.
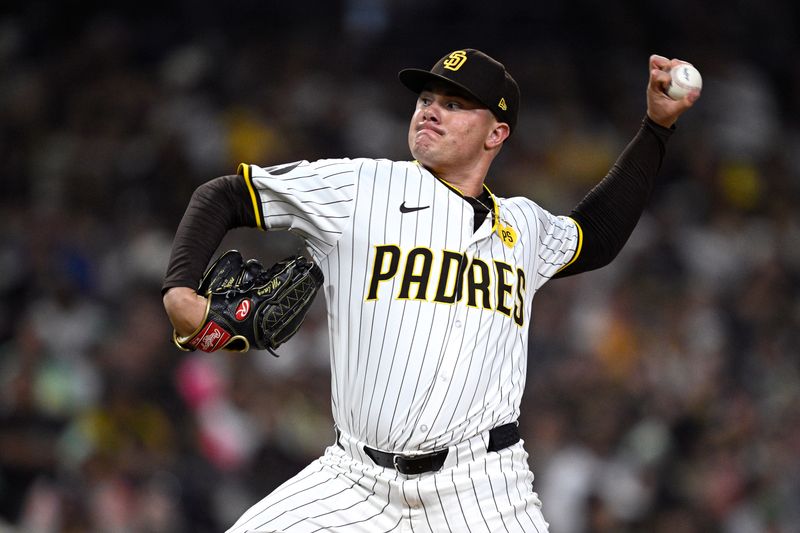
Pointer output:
662, 109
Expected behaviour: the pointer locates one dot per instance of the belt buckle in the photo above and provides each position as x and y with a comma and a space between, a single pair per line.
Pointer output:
395, 457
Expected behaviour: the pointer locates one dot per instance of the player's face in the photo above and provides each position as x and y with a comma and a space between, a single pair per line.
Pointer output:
448, 128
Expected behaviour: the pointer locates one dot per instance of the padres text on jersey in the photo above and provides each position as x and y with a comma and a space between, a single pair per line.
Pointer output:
400, 253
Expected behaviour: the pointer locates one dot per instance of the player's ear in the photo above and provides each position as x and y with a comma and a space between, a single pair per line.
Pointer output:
497, 135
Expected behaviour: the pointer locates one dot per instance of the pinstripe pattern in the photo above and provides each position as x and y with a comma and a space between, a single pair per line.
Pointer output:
476, 492
411, 372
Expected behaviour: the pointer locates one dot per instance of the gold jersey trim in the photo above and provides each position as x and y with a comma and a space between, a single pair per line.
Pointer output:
244, 171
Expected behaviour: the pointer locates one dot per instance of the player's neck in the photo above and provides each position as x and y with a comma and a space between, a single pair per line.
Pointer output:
468, 184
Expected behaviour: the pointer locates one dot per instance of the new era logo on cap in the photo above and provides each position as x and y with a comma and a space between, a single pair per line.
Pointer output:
474, 72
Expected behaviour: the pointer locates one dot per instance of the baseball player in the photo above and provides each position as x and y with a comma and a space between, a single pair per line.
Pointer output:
428, 281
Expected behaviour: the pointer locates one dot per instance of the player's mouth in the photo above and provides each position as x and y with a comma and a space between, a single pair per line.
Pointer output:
429, 128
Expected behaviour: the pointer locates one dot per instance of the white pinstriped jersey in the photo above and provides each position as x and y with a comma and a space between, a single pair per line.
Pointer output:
428, 319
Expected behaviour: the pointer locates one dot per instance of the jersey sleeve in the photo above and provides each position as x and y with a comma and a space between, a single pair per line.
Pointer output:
558, 244
313, 200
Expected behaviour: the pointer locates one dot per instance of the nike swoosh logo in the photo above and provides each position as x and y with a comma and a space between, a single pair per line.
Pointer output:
404, 209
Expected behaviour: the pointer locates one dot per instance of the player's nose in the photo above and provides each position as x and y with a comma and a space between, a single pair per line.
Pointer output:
431, 113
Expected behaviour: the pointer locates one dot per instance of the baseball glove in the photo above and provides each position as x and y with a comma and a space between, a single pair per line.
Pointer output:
250, 307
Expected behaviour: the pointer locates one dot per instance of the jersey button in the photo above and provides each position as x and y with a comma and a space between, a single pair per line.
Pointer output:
423, 427
457, 324
443, 377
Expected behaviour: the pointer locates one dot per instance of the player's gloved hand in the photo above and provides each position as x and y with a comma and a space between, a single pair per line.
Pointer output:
249, 306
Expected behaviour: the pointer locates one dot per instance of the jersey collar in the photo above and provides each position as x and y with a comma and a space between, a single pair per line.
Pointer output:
504, 230
493, 208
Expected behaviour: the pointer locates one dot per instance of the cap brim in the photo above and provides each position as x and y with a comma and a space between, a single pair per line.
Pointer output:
416, 79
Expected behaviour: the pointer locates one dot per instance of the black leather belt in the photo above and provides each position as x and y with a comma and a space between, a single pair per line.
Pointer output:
499, 438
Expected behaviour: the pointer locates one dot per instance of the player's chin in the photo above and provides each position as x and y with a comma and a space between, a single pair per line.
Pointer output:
420, 152
421, 145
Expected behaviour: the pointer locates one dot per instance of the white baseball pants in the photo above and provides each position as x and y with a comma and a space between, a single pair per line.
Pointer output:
475, 491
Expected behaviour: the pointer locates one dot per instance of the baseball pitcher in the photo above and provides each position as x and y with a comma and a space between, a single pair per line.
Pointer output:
428, 279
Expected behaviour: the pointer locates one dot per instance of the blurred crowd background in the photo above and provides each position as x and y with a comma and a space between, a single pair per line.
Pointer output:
663, 391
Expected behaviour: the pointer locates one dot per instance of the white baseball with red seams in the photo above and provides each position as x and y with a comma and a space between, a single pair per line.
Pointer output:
685, 79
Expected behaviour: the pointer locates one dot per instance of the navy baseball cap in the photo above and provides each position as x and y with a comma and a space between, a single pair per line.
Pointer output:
480, 76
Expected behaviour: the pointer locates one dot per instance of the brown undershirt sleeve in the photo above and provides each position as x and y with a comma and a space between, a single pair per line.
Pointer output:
216, 207
608, 214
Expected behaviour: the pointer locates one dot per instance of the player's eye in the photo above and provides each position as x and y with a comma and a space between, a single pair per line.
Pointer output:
454, 105
424, 101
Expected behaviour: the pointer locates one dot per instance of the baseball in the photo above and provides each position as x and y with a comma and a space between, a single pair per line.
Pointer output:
685, 78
